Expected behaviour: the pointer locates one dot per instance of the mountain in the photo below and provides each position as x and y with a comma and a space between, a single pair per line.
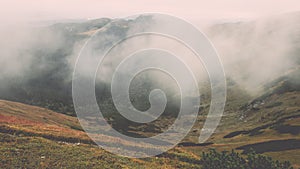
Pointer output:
48, 56
32, 136
38, 124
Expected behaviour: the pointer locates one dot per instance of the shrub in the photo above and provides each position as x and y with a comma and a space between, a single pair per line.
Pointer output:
233, 160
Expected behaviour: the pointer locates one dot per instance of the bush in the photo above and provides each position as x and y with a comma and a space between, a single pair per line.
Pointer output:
233, 160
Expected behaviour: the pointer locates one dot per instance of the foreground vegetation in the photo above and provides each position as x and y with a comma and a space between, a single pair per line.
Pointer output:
36, 152
233, 160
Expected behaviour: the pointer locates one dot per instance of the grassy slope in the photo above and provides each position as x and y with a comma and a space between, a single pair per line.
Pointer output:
34, 137
269, 123
38, 137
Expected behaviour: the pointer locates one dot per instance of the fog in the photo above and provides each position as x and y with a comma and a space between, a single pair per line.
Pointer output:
252, 52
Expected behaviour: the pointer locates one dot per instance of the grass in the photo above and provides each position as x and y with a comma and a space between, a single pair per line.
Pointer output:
33, 137
37, 152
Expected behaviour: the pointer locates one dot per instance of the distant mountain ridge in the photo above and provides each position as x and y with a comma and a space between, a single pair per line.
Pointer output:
46, 80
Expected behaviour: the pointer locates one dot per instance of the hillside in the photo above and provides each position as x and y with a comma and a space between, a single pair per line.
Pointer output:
33, 136
51, 52
38, 124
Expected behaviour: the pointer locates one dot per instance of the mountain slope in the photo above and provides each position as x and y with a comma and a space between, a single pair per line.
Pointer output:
269, 123
33, 137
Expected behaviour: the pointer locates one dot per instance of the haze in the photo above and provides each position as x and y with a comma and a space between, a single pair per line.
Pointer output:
195, 11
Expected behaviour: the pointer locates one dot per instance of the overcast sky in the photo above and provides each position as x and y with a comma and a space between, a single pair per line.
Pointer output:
195, 11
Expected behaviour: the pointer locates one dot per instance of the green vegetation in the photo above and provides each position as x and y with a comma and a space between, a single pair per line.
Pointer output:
233, 160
